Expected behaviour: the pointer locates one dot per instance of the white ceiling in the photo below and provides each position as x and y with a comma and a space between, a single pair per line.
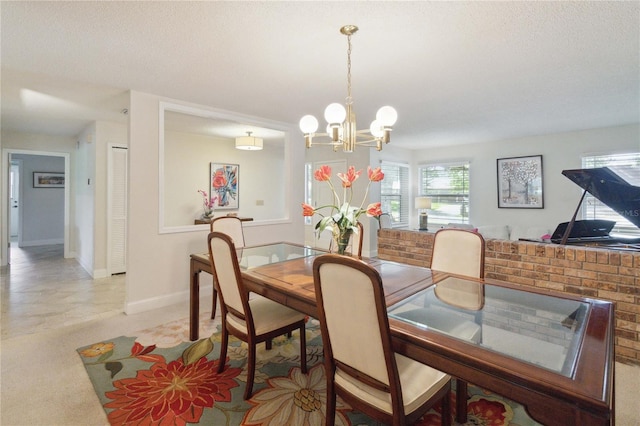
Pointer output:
457, 72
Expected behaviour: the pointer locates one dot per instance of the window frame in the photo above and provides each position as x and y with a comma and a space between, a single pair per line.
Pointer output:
464, 205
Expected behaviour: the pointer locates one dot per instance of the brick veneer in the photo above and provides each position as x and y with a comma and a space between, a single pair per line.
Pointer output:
598, 273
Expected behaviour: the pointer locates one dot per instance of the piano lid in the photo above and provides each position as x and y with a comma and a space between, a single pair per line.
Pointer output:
611, 189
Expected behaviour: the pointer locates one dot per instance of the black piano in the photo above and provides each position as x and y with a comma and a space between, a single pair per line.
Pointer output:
613, 191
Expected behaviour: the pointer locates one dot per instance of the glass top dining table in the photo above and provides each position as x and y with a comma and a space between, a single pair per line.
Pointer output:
253, 257
550, 352
536, 328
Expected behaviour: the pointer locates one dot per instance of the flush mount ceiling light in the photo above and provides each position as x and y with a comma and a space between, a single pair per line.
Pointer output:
249, 143
341, 128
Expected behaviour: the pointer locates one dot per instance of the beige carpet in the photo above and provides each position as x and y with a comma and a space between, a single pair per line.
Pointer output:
43, 381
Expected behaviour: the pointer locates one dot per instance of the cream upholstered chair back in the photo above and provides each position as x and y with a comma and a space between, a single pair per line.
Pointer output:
227, 272
385, 221
354, 329
458, 251
231, 226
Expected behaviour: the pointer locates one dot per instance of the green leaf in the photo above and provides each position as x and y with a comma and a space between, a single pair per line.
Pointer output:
113, 367
199, 349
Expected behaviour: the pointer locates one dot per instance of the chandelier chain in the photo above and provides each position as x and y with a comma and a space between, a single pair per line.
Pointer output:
349, 98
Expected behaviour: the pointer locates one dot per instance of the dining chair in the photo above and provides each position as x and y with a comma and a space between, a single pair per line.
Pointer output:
355, 244
385, 221
360, 363
460, 252
253, 320
231, 226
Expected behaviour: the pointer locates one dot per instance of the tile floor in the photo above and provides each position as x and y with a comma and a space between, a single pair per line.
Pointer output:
40, 290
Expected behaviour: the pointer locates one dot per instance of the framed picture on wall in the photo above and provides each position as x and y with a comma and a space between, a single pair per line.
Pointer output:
225, 185
520, 182
48, 180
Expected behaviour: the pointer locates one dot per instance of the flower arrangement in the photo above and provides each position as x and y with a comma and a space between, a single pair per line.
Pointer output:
343, 220
208, 204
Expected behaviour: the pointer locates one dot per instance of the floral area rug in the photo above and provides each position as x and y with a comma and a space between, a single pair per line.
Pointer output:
159, 378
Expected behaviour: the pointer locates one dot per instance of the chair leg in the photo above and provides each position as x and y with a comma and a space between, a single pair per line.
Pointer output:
213, 305
303, 348
223, 349
331, 405
269, 344
446, 409
251, 368
461, 401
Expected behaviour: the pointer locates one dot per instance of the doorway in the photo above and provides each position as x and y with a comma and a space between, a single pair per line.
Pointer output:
6, 202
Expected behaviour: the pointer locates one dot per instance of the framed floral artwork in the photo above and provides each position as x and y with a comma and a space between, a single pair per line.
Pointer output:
225, 185
520, 182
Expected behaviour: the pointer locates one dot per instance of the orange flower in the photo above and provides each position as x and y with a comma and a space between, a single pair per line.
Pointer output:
375, 175
98, 349
374, 210
323, 173
172, 394
307, 210
348, 178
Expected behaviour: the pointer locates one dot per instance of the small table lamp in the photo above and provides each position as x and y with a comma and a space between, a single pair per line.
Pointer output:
422, 204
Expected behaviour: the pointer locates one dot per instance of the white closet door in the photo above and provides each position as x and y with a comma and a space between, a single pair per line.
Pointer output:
117, 207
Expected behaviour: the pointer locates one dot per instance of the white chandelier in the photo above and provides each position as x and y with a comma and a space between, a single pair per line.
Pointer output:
341, 127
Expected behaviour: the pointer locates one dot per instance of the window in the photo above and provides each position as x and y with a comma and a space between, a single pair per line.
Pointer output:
627, 166
394, 192
448, 187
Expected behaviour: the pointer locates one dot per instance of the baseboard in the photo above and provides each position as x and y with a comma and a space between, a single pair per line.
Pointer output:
164, 301
34, 243
99, 273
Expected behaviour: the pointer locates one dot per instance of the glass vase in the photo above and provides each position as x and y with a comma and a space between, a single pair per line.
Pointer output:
342, 240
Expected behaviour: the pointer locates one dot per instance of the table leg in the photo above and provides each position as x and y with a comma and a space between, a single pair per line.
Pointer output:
194, 305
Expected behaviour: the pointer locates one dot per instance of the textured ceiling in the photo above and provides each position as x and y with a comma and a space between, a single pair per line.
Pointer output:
457, 72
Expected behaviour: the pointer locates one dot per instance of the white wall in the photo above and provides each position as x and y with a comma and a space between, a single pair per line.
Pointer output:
559, 152
85, 180
187, 167
158, 264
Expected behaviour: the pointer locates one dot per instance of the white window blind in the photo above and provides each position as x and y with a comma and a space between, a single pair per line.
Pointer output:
394, 192
627, 166
448, 187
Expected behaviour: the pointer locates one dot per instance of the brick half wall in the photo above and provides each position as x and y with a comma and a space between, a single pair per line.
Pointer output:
593, 272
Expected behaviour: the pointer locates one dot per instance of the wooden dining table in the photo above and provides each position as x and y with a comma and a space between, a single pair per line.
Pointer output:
552, 353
